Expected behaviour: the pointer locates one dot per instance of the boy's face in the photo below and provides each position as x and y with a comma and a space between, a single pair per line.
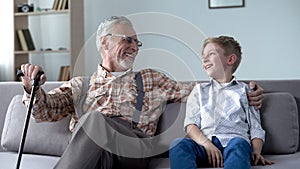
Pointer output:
214, 62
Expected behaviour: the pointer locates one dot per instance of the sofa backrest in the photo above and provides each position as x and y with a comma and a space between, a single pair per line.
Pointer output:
174, 114
289, 86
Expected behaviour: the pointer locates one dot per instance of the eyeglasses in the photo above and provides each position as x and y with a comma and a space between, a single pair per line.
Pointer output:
128, 39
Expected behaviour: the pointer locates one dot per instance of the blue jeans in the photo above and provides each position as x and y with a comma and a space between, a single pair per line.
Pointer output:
185, 153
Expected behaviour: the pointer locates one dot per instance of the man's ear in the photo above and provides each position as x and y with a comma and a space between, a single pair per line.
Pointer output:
232, 59
103, 43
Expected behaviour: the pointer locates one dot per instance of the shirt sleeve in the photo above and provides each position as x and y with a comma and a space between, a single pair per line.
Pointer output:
51, 106
175, 91
193, 115
256, 130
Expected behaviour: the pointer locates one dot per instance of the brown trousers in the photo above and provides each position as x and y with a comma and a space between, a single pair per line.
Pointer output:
101, 142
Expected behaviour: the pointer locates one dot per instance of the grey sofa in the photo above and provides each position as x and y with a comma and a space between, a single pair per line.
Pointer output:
46, 141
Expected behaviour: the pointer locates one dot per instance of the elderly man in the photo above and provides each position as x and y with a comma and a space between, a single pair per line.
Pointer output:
115, 111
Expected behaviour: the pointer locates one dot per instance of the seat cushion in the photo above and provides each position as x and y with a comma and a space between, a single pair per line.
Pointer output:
42, 138
279, 118
286, 161
29, 161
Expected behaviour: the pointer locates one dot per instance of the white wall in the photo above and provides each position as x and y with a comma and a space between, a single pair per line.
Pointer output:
6, 42
268, 31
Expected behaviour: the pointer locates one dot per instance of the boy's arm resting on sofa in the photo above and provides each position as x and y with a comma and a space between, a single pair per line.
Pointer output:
257, 158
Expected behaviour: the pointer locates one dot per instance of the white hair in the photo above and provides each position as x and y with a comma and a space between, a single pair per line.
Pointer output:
105, 27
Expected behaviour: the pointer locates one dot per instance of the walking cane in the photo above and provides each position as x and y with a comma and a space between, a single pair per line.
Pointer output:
26, 123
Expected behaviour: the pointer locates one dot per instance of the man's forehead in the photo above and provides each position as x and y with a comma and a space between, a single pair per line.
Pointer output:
123, 29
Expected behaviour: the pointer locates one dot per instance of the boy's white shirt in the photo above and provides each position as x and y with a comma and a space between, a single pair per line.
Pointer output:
223, 110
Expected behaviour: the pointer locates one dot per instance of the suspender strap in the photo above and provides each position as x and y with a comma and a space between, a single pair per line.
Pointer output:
139, 103
85, 88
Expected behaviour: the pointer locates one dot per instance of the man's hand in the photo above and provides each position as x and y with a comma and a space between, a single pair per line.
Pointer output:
256, 96
30, 71
214, 154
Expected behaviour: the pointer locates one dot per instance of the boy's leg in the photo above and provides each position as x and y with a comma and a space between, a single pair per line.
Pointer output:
184, 154
237, 154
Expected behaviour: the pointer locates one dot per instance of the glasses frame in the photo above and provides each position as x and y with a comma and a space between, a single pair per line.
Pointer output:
128, 39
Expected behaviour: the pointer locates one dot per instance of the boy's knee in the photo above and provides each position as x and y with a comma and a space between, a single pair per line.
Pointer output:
183, 144
238, 141
175, 142
238, 145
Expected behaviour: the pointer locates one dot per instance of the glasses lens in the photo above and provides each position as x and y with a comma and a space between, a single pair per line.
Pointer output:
139, 43
128, 39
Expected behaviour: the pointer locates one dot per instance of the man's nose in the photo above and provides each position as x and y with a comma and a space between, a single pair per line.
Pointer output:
134, 46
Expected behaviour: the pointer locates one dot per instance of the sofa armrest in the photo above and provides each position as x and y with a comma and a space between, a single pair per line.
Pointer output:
10, 89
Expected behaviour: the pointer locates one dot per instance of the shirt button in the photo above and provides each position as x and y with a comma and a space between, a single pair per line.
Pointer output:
104, 74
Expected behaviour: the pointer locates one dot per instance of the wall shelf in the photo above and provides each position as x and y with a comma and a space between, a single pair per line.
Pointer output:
41, 52
51, 12
48, 32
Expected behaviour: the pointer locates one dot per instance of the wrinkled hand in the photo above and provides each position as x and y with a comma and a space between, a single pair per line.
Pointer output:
256, 96
30, 71
257, 158
214, 154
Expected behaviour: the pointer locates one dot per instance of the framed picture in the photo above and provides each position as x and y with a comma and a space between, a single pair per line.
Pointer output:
212, 4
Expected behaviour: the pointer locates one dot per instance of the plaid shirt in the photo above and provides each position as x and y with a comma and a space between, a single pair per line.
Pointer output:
112, 96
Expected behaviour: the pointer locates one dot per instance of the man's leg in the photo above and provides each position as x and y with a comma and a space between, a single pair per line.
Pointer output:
97, 138
133, 158
184, 154
83, 153
125, 162
237, 154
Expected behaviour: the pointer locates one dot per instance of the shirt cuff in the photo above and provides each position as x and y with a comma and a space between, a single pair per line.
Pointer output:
258, 134
27, 92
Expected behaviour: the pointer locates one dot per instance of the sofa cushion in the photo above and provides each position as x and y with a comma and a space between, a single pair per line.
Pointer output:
170, 127
279, 118
49, 138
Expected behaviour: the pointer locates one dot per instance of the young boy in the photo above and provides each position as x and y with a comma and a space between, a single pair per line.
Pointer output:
219, 121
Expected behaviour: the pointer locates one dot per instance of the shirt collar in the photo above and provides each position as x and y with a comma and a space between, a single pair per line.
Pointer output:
229, 84
102, 72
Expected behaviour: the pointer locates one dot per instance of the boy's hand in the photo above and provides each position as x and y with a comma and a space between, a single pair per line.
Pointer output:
214, 154
257, 158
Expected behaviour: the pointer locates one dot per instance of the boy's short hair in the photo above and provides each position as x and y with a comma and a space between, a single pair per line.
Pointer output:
230, 46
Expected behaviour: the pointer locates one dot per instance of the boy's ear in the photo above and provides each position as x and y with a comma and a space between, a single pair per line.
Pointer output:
231, 59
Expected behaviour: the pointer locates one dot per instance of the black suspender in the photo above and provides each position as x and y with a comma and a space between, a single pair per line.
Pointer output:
139, 103
85, 88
